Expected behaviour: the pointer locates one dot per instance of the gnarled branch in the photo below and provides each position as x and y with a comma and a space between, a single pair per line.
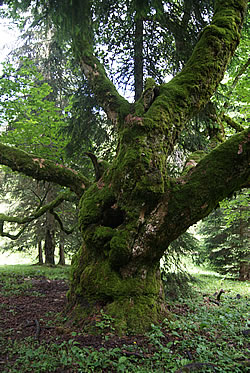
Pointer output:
42, 169
218, 174
189, 91
193, 196
105, 92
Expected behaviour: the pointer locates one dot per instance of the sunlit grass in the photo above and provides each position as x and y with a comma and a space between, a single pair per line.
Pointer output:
26, 270
209, 283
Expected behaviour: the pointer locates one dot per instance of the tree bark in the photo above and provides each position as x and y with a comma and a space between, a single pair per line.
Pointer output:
40, 252
42, 169
244, 271
61, 251
49, 246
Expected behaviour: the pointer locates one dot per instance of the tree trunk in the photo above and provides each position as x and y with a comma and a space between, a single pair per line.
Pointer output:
40, 252
49, 246
61, 251
130, 216
244, 271
133, 294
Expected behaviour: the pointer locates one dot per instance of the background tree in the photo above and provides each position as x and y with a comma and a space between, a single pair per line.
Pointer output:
26, 107
125, 36
226, 241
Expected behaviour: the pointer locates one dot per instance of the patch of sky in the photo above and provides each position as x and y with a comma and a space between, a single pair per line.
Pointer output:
9, 34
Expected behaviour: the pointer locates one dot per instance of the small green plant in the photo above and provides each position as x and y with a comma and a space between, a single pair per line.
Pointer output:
106, 323
13, 285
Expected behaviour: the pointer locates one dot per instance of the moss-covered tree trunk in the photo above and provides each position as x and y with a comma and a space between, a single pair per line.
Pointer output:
132, 213
117, 267
135, 210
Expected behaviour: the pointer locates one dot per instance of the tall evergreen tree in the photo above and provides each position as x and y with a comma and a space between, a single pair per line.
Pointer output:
227, 237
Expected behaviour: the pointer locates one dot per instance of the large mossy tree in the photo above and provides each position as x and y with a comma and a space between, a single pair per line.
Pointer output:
135, 209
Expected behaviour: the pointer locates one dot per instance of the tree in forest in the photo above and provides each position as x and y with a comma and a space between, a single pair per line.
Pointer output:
25, 107
135, 209
40, 78
227, 236
24, 194
127, 29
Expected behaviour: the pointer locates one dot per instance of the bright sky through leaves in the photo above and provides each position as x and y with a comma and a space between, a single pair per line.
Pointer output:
8, 38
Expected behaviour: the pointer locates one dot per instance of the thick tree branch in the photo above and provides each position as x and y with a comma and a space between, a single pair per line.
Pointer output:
189, 91
220, 173
42, 169
64, 196
104, 90
193, 196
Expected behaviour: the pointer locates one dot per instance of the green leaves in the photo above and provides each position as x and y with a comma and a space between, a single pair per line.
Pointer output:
28, 116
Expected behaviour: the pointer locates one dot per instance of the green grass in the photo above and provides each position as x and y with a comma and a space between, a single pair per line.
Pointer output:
212, 282
52, 273
201, 329
16, 279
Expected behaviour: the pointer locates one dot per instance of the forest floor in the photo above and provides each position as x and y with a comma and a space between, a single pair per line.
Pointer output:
204, 336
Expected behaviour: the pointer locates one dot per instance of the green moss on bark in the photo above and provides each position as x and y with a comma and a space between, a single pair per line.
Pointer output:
120, 250
134, 302
135, 315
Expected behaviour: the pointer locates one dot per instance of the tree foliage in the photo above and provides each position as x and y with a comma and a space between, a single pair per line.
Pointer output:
29, 119
226, 235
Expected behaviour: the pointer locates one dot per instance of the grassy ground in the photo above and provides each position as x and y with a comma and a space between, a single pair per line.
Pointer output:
204, 336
